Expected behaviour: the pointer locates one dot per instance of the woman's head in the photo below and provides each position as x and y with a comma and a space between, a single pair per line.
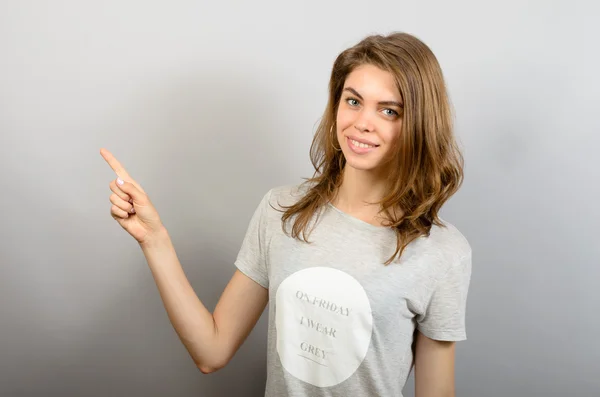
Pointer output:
387, 114
368, 119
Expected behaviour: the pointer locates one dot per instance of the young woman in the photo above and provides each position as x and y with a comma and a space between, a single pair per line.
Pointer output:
362, 277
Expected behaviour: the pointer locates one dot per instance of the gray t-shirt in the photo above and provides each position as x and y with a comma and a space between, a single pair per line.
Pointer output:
341, 322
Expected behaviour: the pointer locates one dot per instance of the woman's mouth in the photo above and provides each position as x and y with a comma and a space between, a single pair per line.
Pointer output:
360, 147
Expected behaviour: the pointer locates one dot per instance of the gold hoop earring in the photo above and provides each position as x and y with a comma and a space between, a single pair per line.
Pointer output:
335, 148
333, 140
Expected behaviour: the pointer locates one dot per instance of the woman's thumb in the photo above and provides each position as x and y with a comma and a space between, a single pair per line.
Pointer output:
131, 190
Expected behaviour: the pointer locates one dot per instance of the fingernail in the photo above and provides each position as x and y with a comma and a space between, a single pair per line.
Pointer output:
120, 181
132, 210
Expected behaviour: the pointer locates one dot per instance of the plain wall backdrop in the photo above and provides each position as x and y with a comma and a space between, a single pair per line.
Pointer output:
210, 104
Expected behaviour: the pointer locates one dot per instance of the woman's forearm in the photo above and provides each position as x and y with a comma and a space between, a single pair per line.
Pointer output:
192, 321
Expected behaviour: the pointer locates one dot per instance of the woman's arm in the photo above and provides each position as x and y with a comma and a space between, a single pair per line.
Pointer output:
434, 367
210, 339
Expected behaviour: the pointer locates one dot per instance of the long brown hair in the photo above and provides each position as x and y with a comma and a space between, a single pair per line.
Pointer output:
428, 166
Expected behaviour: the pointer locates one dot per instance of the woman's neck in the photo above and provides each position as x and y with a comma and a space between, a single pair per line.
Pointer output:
359, 193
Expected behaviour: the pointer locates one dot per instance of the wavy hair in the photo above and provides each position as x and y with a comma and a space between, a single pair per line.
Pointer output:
427, 168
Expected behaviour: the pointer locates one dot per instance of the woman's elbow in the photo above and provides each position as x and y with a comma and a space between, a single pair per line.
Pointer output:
209, 369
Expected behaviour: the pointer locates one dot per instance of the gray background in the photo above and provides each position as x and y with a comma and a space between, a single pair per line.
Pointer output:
210, 105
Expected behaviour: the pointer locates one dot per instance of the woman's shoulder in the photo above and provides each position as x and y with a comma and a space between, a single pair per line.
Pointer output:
446, 241
286, 195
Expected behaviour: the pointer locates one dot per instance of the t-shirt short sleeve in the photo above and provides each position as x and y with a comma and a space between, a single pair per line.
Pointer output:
252, 258
444, 316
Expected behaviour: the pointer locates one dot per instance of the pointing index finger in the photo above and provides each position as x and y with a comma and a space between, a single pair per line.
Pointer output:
118, 168
114, 164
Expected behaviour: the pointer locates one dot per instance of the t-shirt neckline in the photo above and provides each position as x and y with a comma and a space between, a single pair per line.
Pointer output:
357, 221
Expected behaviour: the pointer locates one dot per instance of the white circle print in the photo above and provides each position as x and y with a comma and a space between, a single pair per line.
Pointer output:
324, 324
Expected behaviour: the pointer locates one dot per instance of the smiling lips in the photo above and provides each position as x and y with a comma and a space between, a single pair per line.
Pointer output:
360, 146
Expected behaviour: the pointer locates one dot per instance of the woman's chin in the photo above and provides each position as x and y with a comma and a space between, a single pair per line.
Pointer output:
361, 164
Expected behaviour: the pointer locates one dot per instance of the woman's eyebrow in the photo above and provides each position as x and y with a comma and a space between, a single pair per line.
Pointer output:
384, 103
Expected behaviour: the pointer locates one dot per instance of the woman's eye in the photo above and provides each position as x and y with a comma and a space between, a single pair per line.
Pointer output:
352, 102
391, 112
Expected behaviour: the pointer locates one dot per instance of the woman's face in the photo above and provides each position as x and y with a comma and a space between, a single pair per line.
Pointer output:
368, 118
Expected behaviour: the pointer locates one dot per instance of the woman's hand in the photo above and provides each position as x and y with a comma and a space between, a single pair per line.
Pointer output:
131, 205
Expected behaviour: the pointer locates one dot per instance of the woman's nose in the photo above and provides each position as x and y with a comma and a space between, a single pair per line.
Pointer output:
363, 123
